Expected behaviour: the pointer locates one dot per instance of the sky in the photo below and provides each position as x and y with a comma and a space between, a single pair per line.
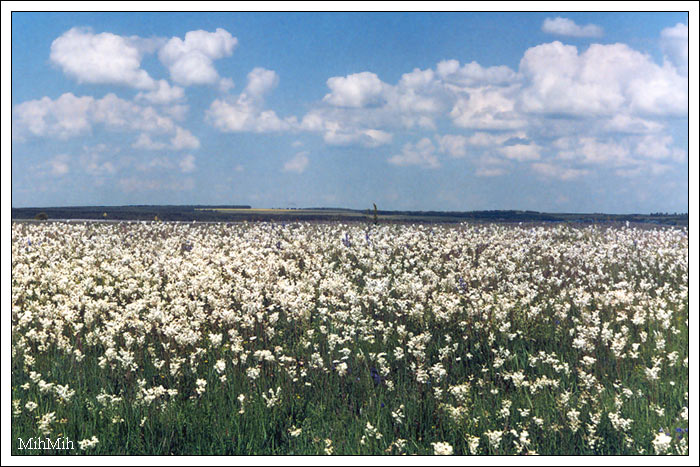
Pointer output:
546, 111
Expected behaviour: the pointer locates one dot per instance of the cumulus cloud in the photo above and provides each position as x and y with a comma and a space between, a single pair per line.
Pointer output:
486, 108
190, 61
473, 74
94, 165
603, 80
356, 90
674, 43
343, 129
521, 152
241, 115
658, 147
144, 141
453, 145
57, 166
245, 112
421, 154
297, 163
64, 117
261, 82
163, 93
183, 139
623, 123
567, 27
119, 114
71, 116
593, 150
494, 139
103, 58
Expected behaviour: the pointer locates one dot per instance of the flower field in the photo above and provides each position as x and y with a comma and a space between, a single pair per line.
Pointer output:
163, 338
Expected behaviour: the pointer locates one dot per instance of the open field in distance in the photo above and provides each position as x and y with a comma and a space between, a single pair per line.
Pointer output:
246, 213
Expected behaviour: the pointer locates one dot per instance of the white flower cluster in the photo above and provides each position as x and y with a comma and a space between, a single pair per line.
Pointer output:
308, 302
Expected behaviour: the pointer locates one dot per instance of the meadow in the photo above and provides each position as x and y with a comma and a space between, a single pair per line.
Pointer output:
350, 338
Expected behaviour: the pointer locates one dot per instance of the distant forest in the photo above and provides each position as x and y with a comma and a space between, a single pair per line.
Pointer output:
246, 213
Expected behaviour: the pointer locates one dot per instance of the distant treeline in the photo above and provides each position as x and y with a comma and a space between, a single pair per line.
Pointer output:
135, 212
208, 213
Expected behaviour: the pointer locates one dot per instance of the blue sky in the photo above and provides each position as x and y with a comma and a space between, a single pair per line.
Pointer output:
566, 112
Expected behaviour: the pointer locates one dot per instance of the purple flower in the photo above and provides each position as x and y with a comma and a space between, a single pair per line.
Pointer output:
376, 377
461, 285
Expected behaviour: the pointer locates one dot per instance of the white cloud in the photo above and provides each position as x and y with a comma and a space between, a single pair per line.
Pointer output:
421, 154
373, 138
416, 100
453, 145
191, 61
298, 163
487, 109
631, 155
183, 139
338, 133
674, 43
187, 164
244, 112
629, 124
119, 114
59, 165
260, 82
473, 74
176, 111
554, 171
64, 117
163, 94
643, 170
101, 58
604, 80
601, 152
144, 141
567, 27
242, 115
356, 90
493, 139
659, 147
93, 165
521, 152
592, 150
417, 79
71, 116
